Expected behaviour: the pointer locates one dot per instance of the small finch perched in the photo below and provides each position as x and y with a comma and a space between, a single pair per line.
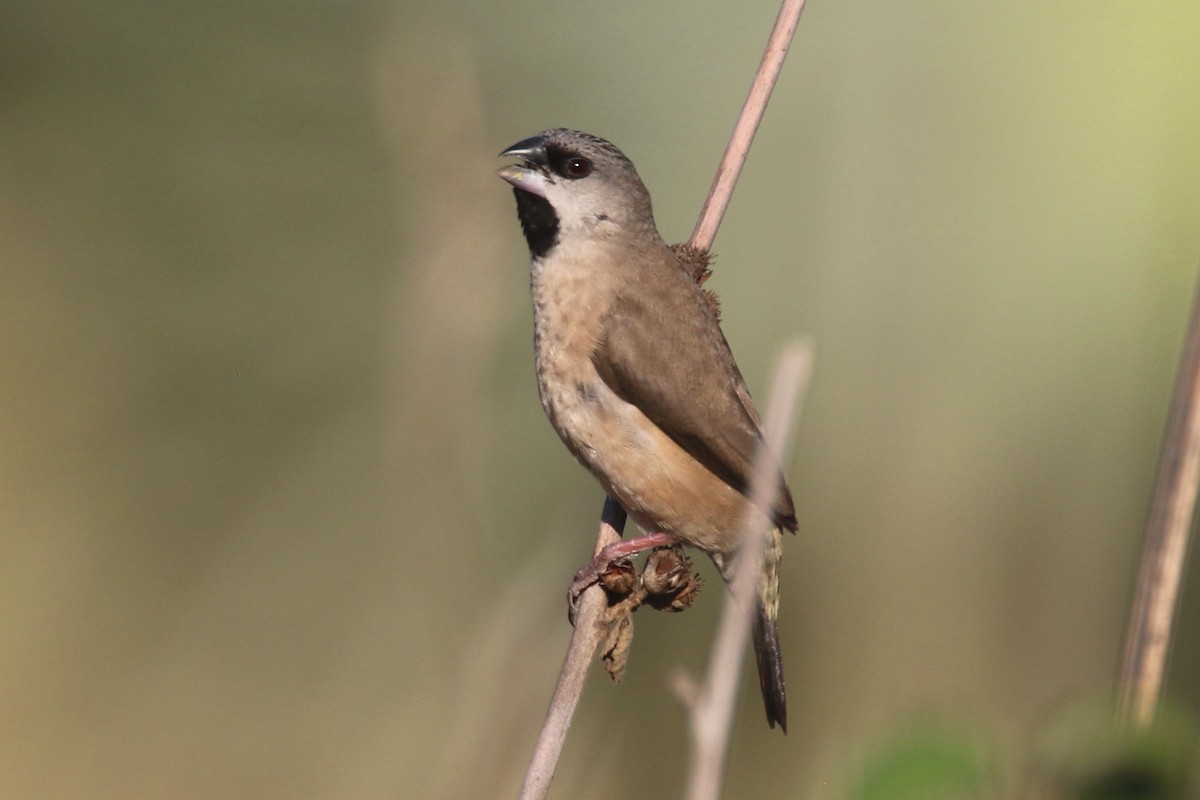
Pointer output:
634, 372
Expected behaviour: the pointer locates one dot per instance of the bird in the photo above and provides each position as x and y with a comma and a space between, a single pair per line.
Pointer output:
634, 371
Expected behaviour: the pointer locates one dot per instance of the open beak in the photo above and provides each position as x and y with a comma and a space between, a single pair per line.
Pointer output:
529, 176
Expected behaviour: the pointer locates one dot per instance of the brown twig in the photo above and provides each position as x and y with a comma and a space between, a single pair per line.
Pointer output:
747, 125
1148, 640
589, 632
712, 713
588, 620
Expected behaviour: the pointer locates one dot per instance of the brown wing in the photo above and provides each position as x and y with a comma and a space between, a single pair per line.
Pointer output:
673, 363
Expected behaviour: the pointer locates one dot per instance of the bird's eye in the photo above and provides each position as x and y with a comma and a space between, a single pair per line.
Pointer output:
577, 167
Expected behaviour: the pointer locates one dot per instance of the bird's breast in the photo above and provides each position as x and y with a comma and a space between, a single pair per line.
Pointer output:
568, 313
662, 486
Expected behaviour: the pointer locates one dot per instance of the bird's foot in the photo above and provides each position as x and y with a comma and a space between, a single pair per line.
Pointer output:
612, 569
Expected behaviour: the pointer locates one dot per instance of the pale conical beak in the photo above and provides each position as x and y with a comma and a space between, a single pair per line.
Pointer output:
524, 176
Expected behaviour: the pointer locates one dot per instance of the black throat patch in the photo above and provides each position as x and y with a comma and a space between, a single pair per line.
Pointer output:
538, 221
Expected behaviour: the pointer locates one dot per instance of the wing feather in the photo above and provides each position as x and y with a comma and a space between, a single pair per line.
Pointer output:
681, 374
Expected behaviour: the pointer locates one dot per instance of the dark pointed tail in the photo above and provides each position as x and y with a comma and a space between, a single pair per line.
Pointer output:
770, 667
766, 632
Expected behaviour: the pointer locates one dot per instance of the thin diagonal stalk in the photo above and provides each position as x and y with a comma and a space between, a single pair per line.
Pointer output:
588, 634
747, 125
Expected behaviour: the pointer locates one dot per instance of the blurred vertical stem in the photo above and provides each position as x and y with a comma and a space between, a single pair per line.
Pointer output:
712, 712
1151, 621
588, 633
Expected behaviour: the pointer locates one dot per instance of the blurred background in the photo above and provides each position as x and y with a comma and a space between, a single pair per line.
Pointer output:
280, 515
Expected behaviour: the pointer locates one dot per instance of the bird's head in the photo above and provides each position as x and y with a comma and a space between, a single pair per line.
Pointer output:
572, 184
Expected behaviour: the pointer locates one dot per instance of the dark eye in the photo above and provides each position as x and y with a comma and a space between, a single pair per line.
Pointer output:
577, 167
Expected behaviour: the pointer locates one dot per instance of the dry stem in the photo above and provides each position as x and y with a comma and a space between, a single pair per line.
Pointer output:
712, 714
747, 125
1152, 618
589, 632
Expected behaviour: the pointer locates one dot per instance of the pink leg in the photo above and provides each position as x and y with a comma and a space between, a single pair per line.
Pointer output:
614, 552
630, 547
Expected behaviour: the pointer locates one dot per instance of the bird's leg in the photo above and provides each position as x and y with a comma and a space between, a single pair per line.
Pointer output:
609, 555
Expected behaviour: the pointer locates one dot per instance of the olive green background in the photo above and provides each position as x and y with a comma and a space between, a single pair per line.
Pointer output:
279, 512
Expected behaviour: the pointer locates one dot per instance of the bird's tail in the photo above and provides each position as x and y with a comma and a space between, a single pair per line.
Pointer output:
766, 633
770, 669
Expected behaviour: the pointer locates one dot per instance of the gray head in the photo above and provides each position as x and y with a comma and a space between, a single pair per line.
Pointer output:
571, 183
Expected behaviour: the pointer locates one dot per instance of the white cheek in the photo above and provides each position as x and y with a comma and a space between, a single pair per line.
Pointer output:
578, 213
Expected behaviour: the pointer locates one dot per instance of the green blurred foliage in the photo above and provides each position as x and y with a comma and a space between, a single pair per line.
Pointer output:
279, 513
926, 762
1078, 753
